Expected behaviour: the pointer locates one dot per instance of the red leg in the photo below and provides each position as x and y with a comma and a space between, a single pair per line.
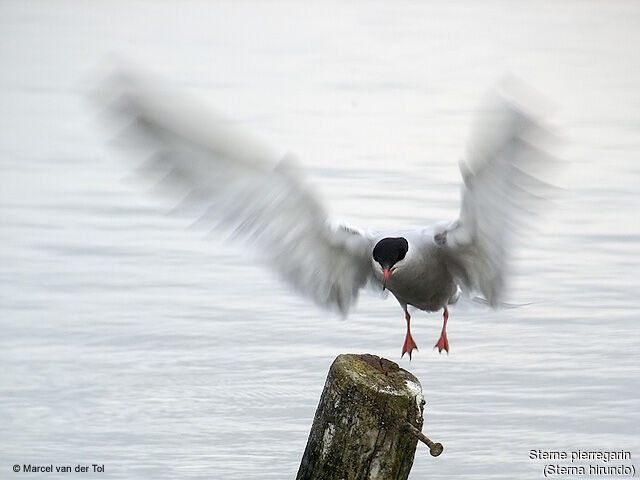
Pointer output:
443, 343
409, 344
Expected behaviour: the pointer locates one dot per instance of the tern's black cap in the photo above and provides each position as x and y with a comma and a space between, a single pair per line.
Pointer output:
390, 250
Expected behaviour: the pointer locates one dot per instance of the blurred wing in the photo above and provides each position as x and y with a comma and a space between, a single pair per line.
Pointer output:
228, 179
505, 157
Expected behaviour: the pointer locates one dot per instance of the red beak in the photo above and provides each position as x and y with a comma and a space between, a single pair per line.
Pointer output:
386, 272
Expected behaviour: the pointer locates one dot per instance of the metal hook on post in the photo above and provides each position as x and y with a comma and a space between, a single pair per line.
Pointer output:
435, 448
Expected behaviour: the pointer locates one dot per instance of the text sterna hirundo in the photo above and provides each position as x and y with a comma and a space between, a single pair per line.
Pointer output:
230, 179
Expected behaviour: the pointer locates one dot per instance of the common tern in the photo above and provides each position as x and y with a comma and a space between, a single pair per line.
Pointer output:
229, 179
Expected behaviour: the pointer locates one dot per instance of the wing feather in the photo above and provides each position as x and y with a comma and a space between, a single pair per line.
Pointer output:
228, 179
507, 153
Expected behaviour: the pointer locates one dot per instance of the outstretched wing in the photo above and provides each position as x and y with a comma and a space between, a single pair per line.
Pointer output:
228, 179
506, 155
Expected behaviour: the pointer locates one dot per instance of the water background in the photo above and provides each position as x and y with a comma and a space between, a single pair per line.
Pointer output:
129, 340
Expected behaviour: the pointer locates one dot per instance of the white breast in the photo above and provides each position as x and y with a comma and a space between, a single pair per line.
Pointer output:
421, 278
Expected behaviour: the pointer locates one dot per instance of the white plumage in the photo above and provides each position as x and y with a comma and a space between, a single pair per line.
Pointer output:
230, 179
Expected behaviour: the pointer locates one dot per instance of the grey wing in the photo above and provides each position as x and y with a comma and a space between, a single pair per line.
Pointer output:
228, 179
506, 157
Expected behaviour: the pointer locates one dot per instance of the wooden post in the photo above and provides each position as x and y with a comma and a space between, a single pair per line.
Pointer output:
363, 425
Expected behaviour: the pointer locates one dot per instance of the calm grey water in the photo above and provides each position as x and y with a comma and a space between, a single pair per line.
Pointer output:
129, 340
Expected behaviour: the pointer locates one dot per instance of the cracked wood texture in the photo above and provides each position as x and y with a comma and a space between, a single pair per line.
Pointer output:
359, 431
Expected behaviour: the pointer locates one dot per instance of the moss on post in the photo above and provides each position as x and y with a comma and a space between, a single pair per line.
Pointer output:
360, 427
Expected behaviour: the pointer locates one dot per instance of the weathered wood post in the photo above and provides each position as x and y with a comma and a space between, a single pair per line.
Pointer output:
367, 422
